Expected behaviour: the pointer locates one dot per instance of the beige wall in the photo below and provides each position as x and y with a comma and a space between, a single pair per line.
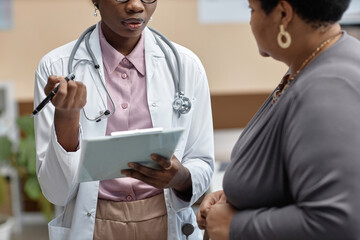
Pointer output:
228, 52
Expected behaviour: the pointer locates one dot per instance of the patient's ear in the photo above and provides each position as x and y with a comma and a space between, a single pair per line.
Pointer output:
286, 12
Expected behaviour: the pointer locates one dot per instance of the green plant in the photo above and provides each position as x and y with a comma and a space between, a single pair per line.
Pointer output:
5, 155
23, 159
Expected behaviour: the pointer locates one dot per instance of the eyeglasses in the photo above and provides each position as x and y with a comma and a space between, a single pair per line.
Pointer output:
143, 1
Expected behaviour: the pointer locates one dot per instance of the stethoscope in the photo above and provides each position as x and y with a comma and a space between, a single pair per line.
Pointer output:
181, 104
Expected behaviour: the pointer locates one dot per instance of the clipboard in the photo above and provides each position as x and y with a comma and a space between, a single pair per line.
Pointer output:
103, 158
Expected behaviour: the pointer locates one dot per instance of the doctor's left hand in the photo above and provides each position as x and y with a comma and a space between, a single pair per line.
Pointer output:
172, 175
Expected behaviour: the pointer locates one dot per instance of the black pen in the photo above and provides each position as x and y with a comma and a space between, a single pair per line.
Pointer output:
48, 98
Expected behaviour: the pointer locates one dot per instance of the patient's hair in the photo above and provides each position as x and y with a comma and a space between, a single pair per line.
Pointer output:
315, 12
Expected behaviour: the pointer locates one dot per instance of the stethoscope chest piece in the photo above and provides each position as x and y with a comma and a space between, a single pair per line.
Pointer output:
181, 103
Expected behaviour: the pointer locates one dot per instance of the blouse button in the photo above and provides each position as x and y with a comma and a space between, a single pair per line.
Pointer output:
129, 198
125, 60
124, 75
124, 105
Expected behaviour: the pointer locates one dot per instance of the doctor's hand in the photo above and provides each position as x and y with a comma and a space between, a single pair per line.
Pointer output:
71, 96
172, 175
207, 203
68, 101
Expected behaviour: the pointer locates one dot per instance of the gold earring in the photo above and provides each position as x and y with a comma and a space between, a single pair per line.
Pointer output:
283, 34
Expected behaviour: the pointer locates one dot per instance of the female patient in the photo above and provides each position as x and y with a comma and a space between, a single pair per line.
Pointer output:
295, 170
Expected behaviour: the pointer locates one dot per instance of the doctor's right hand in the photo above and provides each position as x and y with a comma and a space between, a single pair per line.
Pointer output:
71, 95
68, 101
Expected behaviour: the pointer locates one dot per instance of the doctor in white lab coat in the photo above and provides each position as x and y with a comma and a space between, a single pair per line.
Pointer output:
57, 168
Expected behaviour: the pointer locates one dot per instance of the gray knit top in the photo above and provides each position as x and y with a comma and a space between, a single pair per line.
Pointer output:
295, 170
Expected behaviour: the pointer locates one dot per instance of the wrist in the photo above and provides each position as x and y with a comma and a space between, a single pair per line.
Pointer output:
182, 180
67, 115
182, 184
67, 129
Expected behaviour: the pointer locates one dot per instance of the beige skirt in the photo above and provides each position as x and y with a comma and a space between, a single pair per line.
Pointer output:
143, 219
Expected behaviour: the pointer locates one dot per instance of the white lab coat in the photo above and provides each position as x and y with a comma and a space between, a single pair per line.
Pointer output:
57, 169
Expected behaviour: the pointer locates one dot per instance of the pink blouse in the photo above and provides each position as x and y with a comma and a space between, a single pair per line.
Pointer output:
126, 82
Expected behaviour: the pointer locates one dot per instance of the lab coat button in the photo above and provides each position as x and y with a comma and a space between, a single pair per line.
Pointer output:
154, 105
88, 214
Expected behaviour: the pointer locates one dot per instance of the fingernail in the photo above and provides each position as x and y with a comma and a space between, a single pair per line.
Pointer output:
153, 157
131, 165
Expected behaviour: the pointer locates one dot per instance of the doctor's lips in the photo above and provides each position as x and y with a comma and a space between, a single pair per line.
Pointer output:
133, 23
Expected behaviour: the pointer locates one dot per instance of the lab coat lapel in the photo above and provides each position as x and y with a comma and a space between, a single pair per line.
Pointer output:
152, 55
82, 52
95, 46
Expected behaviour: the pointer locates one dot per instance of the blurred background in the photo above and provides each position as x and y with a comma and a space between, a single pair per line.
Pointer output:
217, 31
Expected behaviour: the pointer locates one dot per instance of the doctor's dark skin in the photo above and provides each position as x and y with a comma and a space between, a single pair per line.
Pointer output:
122, 25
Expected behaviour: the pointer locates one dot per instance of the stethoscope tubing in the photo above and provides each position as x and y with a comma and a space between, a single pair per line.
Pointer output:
179, 95
177, 78
76, 47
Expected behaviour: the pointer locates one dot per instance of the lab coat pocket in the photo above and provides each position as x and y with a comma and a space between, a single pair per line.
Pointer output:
57, 232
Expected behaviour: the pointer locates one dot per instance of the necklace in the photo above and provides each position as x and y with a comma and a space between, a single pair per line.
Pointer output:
288, 79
